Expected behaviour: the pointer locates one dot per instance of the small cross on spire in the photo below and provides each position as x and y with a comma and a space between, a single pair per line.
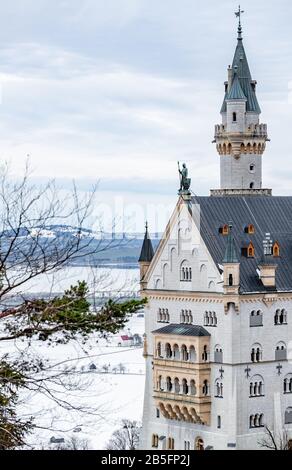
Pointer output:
238, 15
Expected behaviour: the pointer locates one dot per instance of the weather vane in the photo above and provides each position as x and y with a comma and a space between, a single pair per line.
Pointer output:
238, 15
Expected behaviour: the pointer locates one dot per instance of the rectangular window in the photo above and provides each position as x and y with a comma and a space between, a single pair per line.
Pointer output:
157, 413
219, 422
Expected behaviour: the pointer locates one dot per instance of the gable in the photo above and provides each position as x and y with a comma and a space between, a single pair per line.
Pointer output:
182, 261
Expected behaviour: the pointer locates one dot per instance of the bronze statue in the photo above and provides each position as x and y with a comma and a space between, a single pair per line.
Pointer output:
185, 182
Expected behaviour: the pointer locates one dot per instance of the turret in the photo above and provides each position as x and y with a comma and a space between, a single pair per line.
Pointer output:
240, 139
146, 256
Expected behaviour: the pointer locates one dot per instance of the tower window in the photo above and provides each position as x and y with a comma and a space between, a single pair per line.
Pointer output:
230, 280
234, 117
219, 422
252, 168
251, 186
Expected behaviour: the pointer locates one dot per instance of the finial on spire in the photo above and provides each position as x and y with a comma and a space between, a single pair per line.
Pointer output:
238, 15
146, 226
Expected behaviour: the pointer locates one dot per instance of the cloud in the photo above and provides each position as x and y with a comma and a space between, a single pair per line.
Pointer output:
120, 90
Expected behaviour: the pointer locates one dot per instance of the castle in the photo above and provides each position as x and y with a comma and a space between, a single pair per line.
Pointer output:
219, 290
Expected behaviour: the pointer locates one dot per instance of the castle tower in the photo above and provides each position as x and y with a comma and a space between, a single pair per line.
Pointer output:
240, 139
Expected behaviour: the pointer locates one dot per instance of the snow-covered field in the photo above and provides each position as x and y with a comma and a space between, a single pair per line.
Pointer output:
104, 378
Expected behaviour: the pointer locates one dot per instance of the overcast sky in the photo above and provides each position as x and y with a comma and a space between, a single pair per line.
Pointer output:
119, 90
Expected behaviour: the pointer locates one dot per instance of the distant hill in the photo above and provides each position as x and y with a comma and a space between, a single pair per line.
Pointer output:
110, 249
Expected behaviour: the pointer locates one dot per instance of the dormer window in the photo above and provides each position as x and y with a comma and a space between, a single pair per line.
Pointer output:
250, 251
276, 250
224, 230
234, 117
249, 229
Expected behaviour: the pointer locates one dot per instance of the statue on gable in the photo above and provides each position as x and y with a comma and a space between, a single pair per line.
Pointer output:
185, 182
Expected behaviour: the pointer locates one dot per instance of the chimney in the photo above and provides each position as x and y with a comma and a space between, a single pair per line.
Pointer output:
267, 267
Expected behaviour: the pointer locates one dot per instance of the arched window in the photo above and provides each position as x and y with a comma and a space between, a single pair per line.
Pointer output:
159, 350
280, 317
184, 353
206, 319
167, 316
193, 387
168, 384
170, 443
288, 415
205, 354
176, 385
168, 351
281, 352
205, 388
163, 315
193, 355
160, 384
287, 384
176, 353
234, 117
199, 444
251, 186
185, 387
218, 389
256, 318
218, 355
256, 353
256, 421
185, 272
256, 386
155, 440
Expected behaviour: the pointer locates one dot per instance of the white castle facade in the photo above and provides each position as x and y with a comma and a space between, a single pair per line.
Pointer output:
219, 290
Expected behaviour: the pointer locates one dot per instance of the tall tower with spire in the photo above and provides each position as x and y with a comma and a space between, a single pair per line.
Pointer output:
240, 139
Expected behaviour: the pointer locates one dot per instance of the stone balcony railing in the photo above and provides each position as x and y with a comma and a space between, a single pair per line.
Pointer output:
193, 366
182, 398
253, 131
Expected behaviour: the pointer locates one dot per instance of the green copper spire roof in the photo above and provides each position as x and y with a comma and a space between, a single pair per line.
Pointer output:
230, 253
240, 68
236, 92
147, 252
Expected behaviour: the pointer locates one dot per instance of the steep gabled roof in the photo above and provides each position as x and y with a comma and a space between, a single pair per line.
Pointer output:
236, 92
268, 215
147, 251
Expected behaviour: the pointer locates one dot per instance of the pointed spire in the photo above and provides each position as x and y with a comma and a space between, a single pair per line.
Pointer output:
147, 251
230, 252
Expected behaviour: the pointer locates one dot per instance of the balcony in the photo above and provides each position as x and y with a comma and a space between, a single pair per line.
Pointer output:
191, 366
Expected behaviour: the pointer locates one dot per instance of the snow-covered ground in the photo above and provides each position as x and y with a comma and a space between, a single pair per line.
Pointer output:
106, 379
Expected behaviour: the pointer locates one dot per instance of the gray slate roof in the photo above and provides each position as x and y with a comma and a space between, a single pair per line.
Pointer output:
236, 92
241, 68
268, 215
183, 330
147, 251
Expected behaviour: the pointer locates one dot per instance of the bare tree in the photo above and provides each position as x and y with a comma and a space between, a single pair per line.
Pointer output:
26, 253
275, 441
125, 438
